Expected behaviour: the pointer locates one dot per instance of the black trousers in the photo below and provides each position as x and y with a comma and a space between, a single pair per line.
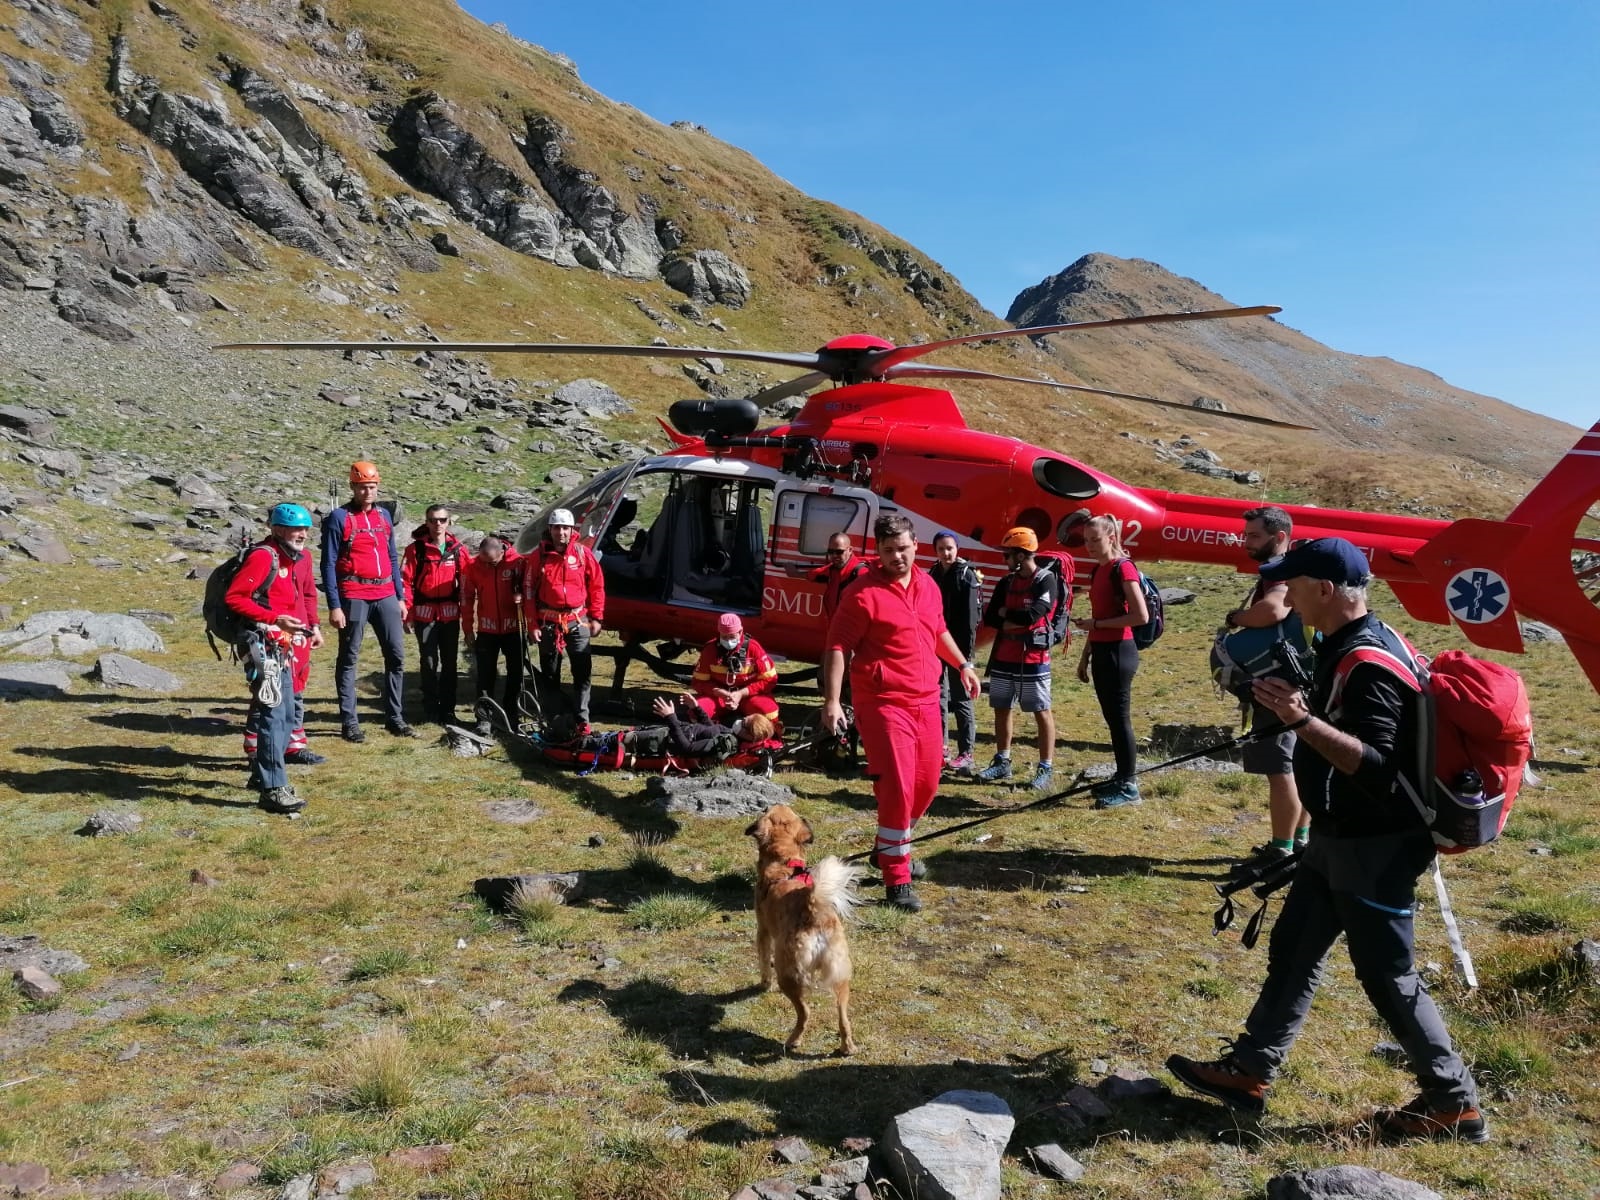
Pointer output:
579, 660
487, 649
1112, 666
438, 646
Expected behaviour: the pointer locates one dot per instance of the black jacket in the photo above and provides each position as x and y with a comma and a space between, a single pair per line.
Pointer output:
961, 587
1393, 723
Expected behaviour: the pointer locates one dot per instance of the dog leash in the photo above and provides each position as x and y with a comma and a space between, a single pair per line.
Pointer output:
1243, 739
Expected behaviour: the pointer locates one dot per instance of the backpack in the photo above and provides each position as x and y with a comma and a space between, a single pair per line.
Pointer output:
1144, 636
1061, 567
1482, 739
222, 623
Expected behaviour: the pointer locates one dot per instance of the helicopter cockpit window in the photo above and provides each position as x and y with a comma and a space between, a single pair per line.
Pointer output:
824, 516
1064, 479
589, 505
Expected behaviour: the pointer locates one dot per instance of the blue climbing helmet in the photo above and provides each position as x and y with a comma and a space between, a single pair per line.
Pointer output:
290, 516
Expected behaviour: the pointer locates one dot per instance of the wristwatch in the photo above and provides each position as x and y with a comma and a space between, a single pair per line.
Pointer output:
969, 665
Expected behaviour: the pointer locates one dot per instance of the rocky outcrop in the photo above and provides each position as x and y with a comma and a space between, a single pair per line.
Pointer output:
233, 166
619, 240
433, 149
706, 277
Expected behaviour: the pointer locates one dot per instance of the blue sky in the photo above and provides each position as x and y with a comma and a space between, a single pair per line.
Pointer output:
1416, 180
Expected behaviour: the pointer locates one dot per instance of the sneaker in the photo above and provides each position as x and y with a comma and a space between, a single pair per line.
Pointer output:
1419, 1119
401, 730
281, 800
919, 869
1224, 1080
1103, 788
999, 769
1042, 778
352, 733
303, 758
901, 895
1123, 793
962, 764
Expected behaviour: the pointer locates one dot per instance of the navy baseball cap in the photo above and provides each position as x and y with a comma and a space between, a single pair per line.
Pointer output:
1330, 558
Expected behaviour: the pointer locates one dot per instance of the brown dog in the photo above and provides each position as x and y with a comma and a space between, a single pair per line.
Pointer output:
800, 916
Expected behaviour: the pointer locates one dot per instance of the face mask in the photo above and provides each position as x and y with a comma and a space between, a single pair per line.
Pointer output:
727, 643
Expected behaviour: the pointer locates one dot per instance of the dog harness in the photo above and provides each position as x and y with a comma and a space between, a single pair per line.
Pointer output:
800, 874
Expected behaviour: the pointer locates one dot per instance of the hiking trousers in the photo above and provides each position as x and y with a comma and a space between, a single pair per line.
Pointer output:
905, 752
1364, 888
272, 729
438, 648
486, 651
953, 698
576, 649
384, 617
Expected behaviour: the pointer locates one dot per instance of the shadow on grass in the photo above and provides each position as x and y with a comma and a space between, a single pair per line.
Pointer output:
118, 783
154, 757
621, 887
168, 723
1046, 870
687, 1024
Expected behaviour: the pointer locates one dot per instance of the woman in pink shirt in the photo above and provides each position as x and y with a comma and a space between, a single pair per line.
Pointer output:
1116, 605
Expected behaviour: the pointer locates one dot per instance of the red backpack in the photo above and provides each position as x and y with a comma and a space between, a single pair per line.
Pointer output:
1482, 743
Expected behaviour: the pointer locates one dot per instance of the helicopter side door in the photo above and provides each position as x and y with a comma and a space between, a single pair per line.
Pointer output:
806, 516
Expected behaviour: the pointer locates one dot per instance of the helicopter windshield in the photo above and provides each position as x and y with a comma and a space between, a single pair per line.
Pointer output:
591, 506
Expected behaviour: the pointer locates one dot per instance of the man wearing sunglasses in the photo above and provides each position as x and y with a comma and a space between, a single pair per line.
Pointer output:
431, 575
842, 569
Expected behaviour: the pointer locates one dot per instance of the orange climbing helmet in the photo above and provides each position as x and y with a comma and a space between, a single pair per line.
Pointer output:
364, 472
1020, 538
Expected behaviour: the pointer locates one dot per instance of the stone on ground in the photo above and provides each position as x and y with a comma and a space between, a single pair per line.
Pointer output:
950, 1148
731, 793
1346, 1183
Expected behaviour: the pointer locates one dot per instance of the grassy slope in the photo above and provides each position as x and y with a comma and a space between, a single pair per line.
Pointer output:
315, 1006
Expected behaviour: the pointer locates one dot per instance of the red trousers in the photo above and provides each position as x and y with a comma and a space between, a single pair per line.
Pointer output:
716, 710
905, 751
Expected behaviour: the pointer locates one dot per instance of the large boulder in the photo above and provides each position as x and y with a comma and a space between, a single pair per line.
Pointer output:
1346, 1183
950, 1148
32, 423
118, 670
728, 794
79, 631
706, 277
33, 681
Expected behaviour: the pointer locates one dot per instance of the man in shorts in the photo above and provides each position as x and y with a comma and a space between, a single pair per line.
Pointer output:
1019, 664
1267, 532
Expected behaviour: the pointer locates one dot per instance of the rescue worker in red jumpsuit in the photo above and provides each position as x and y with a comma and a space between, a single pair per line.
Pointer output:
844, 567
563, 605
491, 621
430, 575
734, 677
269, 591
891, 625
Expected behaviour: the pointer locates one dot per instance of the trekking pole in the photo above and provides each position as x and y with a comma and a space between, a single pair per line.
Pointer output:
1204, 752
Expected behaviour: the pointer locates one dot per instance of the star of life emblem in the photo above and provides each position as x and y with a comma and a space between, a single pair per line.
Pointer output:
1477, 595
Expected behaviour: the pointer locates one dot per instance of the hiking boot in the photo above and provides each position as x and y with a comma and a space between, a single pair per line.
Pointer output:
901, 895
1104, 788
1222, 1079
996, 771
1123, 793
1043, 776
918, 869
1259, 858
401, 730
962, 764
281, 800
352, 733
303, 758
1419, 1119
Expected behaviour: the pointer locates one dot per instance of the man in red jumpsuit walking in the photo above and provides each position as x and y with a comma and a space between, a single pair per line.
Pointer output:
734, 676
891, 626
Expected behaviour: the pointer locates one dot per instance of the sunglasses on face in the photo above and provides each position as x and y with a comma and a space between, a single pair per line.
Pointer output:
438, 520
839, 553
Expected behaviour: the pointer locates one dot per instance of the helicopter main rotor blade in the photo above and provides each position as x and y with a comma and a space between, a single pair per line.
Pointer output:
888, 358
778, 358
794, 387
930, 372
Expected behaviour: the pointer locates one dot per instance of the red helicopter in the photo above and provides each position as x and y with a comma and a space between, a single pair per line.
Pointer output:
738, 515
